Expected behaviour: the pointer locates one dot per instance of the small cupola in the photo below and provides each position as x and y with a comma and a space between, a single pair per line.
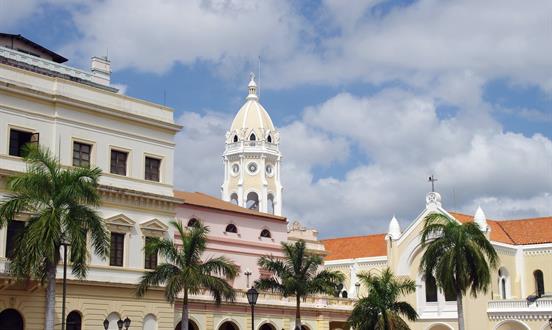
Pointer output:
481, 219
252, 88
394, 231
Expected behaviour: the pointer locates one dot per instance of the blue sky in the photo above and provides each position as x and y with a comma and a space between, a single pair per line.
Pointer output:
370, 96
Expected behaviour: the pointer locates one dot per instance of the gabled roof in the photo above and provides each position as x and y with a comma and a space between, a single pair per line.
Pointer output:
517, 232
204, 200
355, 247
55, 56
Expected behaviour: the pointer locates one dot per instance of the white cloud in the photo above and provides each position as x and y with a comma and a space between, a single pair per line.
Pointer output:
405, 140
199, 147
154, 35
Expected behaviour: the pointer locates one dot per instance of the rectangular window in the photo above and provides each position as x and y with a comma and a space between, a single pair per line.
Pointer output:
119, 162
81, 154
152, 169
117, 249
15, 229
150, 259
431, 289
18, 140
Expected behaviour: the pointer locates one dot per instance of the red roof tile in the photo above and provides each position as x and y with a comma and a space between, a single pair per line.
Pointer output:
204, 200
355, 247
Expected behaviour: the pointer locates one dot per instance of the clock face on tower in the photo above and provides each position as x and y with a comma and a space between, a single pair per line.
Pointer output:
252, 167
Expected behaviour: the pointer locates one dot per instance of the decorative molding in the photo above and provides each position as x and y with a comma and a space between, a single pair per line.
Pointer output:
120, 223
153, 228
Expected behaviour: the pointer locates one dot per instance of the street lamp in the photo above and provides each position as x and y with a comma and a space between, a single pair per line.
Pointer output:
357, 288
120, 324
252, 296
64, 243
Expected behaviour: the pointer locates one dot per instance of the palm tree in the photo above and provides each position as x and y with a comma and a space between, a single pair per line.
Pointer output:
459, 256
184, 271
61, 207
297, 274
380, 309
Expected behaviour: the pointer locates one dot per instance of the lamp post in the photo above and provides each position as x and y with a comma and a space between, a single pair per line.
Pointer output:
252, 296
64, 243
120, 324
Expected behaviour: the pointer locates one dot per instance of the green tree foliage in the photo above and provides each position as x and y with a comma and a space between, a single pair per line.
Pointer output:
60, 206
185, 272
297, 274
381, 309
459, 256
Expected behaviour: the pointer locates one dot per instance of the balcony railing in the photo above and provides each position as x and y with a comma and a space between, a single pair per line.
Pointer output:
543, 305
45, 64
275, 299
251, 146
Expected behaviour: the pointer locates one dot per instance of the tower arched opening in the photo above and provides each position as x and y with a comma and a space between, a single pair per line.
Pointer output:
252, 201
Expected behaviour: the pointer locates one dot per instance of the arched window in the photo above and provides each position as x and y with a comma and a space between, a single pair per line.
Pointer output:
11, 319
344, 294
231, 228
252, 201
430, 289
539, 282
150, 322
193, 222
270, 204
503, 282
266, 233
252, 137
113, 318
191, 325
228, 325
234, 199
269, 139
74, 321
235, 138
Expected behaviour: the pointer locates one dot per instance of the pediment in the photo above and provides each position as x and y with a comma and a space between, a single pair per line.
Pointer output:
120, 220
154, 224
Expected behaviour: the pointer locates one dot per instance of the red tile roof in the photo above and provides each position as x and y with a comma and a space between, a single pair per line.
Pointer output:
208, 201
355, 247
518, 232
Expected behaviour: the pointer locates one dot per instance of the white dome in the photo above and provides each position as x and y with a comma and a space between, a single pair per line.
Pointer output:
252, 117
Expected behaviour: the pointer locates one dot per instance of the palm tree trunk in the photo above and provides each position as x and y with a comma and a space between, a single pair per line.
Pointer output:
460, 309
185, 316
298, 313
50, 297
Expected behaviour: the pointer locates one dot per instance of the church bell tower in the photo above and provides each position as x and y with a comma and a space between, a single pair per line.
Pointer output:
252, 158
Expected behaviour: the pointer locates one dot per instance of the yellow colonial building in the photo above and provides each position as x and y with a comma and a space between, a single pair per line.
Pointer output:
520, 296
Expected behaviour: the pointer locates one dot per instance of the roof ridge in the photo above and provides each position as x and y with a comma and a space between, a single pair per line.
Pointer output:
356, 236
506, 232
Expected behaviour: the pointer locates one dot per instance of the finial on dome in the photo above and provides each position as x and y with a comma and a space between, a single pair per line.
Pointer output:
480, 218
252, 88
394, 231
